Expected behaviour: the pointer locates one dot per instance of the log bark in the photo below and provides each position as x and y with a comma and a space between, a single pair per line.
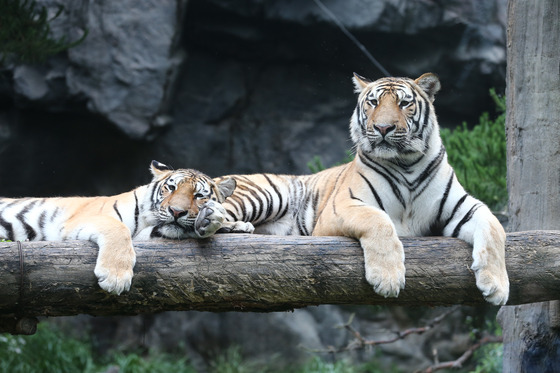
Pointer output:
531, 332
234, 272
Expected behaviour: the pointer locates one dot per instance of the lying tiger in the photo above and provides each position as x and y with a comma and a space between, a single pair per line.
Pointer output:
399, 184
176, 204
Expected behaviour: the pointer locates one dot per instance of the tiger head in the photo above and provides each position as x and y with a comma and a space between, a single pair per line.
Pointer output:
394, 117
179, 195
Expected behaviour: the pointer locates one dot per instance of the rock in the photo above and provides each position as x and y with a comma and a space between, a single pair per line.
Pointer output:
128, 66
123, 70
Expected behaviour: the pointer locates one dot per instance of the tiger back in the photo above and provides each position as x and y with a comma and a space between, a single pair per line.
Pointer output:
399, 184
176, 204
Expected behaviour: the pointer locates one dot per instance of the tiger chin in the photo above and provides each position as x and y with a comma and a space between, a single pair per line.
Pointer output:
176, 204
399, 184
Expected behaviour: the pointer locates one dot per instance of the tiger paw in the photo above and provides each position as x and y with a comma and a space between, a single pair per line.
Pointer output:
385, 269
117, 277
494, 285
210, 218
237, 227
113, 281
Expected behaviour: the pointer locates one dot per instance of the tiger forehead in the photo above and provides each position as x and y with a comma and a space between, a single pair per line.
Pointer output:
189, 177
396, 89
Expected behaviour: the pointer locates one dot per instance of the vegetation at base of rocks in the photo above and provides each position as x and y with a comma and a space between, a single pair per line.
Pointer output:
318, 365
477, 154
51, 350
489, 358
25, 33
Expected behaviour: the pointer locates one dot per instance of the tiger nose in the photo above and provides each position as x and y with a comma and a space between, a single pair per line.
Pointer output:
384, 129
177, 212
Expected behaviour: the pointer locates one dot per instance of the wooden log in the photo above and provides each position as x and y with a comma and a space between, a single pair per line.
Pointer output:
233, 272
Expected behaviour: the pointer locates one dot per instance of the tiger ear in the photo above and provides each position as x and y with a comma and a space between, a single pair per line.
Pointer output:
430, 84
226, 187
158, 168
359, 83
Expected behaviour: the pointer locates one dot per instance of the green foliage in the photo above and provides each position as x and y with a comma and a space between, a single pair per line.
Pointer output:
318, 365
478, 156
25, 34
49, 350
160, 363
46, 351
231, 361
489, 358
316, 164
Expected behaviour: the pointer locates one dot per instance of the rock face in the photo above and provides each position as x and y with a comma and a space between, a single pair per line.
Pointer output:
228, 87
231, 87
123, 70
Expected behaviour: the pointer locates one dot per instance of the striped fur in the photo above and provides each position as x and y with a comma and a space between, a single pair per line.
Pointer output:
176, 204
399, 184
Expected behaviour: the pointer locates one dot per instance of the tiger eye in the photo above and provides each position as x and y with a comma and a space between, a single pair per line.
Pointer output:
404, 103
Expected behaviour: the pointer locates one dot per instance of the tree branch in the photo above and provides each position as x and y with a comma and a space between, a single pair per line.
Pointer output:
361, 342
232, 272
455, 364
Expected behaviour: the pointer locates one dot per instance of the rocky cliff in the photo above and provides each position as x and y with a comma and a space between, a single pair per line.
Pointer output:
226, 86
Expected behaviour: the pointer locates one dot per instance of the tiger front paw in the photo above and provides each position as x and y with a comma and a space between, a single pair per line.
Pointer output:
116, 277
210, 218
493, 283
237, 227
385, 269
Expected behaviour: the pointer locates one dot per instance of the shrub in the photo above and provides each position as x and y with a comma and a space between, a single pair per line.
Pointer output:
478, 156
50, 350
45, 351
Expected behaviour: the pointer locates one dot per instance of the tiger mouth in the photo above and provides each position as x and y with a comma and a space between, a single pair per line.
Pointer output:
384, 144
178, 225
177, 228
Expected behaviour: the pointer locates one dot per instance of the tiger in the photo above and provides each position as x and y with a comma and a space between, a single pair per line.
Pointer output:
176, 204
399, 184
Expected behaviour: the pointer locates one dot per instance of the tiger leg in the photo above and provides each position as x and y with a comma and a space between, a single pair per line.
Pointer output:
488, 237
383, 251
116, 257
212, 218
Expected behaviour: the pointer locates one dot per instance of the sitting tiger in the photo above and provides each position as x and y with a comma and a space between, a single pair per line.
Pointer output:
176, 204
399, 184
